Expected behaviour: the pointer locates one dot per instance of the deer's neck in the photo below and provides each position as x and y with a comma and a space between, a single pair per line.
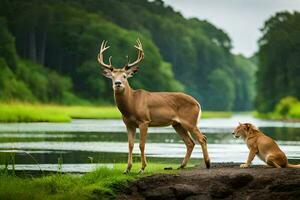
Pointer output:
124, 100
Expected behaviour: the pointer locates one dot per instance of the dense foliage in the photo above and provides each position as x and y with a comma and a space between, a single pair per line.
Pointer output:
279, 61
63, 38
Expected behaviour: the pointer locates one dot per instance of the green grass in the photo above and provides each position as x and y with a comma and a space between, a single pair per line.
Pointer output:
25, 112
102, 183
19, 112
216, 114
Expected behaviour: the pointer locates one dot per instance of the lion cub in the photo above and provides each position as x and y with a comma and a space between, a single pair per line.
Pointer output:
261, 145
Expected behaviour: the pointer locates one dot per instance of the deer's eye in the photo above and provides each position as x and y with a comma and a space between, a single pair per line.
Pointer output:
124, 76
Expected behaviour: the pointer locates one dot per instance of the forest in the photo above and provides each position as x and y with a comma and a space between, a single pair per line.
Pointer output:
49, 49
48, 54
278, 75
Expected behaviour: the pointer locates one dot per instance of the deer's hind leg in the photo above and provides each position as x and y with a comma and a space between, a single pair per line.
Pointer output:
203, 142
201, 138
189, 143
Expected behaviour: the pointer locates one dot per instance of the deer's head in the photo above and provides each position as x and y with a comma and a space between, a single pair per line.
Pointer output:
119, 76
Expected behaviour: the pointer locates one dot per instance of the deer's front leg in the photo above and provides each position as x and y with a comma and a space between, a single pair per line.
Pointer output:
251, 156
143, 134
131, 134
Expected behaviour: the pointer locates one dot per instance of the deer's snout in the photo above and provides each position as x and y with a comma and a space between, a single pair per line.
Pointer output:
118, 83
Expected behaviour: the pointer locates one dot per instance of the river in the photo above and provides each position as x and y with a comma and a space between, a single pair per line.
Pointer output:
83, 145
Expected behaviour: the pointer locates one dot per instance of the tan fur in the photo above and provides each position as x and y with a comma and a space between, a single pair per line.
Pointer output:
142, 109
261, 145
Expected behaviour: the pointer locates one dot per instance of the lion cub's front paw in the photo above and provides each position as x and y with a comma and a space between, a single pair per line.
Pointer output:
244, 165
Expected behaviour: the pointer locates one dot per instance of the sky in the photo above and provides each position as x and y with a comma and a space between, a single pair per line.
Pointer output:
240, 19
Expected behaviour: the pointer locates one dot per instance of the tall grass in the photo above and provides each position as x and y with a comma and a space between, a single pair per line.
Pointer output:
20, 112
25, 112
103, 183
216, 114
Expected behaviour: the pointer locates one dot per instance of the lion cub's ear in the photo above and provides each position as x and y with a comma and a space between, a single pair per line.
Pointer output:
248, 126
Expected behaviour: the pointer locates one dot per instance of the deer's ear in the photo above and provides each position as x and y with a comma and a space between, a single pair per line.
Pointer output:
107, 72
131, 71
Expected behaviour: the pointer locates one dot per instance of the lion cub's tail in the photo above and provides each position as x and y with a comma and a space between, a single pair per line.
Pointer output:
293, 166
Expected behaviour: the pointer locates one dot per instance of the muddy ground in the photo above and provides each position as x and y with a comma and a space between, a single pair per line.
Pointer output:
222, 181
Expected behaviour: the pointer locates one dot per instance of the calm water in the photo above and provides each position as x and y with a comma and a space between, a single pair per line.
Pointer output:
104, 142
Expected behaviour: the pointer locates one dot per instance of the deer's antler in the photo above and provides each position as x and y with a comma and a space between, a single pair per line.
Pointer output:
140, 56
100, 56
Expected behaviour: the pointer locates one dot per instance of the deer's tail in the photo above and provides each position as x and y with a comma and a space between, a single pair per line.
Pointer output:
199, 114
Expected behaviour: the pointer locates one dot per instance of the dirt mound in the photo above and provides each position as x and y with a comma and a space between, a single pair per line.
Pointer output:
222, 181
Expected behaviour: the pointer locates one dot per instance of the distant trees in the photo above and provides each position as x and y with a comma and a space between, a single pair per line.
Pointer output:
278, 74
180, 54
25, 80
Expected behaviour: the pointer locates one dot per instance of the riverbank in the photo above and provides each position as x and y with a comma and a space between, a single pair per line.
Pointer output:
103, 183
224, 181
292, 116
25, 112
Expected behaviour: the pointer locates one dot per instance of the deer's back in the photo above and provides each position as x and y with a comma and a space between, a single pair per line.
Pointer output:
165, 108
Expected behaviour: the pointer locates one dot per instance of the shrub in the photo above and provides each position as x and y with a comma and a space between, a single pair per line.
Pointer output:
283, 107
10, 87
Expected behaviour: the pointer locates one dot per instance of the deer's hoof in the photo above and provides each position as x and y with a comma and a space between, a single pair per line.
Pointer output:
207, 163
126, 171
141, 171
181, 167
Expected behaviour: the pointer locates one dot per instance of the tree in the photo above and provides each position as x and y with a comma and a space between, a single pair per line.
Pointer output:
279, 61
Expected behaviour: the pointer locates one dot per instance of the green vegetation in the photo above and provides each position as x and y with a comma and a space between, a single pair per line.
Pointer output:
279, 64
24, 112
287, 108
215, 114
102, 183
48, 51
31, 113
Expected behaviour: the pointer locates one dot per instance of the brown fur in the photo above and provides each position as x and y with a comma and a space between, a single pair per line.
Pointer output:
261, 145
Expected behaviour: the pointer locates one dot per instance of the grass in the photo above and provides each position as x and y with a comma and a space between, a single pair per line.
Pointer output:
19, 112
216, 114
103, 183
25, 112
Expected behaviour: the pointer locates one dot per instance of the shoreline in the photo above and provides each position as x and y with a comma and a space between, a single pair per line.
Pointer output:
26, 112
223, 180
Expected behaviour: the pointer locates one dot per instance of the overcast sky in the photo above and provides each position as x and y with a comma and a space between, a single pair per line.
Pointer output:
241, 19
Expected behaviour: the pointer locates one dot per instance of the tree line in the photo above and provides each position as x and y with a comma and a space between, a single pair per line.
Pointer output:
49, 49
278, 75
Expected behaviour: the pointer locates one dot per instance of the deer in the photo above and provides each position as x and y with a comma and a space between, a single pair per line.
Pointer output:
143, 109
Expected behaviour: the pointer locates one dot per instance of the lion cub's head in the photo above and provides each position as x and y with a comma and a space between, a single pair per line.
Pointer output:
243, 130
